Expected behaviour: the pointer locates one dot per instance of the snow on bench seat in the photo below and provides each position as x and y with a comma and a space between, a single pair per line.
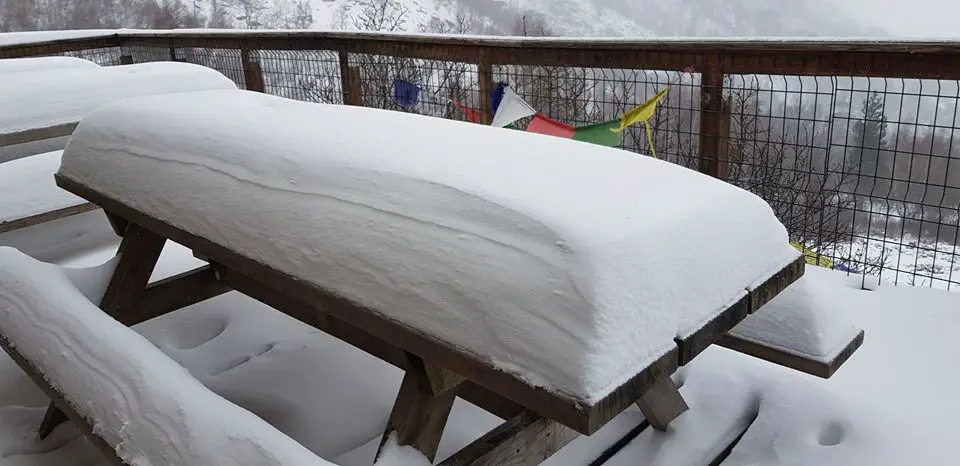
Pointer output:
42, 105
569, 265
30, 195
144, 405
33, 64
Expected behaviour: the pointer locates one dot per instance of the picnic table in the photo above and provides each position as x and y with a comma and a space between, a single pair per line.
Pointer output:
529, 275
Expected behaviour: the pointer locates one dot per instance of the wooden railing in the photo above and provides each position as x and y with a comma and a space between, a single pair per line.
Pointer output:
796, 173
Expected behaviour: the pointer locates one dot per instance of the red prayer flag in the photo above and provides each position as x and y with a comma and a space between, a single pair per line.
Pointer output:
543, 125
472, 114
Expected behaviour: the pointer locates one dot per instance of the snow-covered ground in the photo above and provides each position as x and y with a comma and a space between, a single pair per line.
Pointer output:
308, 385
905, 262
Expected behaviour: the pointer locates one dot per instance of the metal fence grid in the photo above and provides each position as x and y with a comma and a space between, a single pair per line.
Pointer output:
861, 171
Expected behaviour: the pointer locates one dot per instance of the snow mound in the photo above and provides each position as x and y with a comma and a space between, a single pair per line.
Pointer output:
41, 100
33, 64
803, 319
27, 187
571, 265
140, 401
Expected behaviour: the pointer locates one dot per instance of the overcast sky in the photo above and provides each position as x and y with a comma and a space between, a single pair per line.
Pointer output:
916, 18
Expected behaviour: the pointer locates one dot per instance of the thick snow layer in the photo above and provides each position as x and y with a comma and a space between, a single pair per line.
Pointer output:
27, 187
40, 100
571, 265
140, 401
803, 320
34, 64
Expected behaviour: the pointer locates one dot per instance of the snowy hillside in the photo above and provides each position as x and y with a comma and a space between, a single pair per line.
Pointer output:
617, 18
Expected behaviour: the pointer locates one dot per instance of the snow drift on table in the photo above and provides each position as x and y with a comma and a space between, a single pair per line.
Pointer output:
569, 264
140, 401
34, 64
41, 100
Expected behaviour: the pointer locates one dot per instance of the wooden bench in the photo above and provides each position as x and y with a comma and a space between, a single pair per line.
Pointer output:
151, 199
30, 195
41, 112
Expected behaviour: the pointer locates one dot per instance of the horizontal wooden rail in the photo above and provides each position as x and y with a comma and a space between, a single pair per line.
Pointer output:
894, 59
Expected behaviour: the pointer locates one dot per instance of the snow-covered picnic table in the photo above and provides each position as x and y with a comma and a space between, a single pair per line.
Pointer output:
44, 100
550, 279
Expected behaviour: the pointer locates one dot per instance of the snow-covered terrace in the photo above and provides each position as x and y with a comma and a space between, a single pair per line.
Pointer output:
334, 398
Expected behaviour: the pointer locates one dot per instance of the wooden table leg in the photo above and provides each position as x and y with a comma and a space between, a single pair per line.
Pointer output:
139, 252
525, 440
420, 412
662, 403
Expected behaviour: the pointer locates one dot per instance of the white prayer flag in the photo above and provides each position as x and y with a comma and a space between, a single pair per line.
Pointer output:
512, 108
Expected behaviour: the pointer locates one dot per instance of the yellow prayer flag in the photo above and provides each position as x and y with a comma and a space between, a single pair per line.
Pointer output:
642, 113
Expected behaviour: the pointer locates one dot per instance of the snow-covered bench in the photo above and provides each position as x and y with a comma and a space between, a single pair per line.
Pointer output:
135, 404
30, 195
33, 64
570, 279
42, 106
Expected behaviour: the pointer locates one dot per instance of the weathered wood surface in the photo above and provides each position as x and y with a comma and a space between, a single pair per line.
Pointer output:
695, 343
357, 337
173, 293
571, 412
418, 416
44, 217
37, 134
525, 440
822, 369
65, 410
662, 403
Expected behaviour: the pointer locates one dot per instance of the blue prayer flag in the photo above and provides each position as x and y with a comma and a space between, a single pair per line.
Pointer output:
405, 93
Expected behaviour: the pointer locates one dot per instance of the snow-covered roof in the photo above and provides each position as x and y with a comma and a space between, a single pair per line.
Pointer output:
43, 99
571, 265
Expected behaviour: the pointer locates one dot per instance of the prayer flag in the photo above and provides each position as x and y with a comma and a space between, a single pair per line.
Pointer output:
511, 108
405, 93
544, 125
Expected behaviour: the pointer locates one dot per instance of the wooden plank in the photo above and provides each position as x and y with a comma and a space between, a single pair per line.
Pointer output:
525, 440
173, 293
66, 410
485, 76
360, 339
138, 254
585, 418
691, 346
662, 403
37, 134
895, 59
418, 416
436, 379
780, 281
252, 74
60, 46
117, 223
777, 356
711, 102
45, 217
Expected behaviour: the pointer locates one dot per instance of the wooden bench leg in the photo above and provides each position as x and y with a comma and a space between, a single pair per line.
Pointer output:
662, 403
139, 252
525, 440
422, 407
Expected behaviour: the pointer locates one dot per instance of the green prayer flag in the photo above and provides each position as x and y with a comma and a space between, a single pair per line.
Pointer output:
600, 133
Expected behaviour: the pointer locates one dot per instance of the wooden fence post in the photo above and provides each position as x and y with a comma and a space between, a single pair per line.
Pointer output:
126, 59
350, 83
712, 137
252, 74
173, 54
485, 76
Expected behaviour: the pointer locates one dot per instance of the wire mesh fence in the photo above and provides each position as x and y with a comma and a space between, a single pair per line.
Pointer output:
863, 172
